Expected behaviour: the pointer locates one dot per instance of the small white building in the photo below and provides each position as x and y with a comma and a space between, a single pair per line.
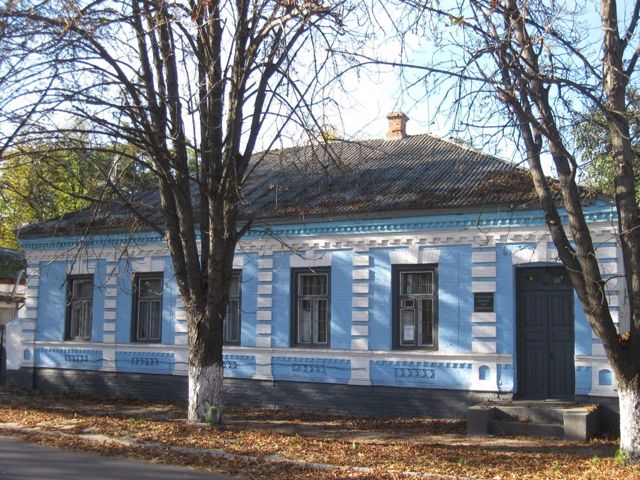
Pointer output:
12, 295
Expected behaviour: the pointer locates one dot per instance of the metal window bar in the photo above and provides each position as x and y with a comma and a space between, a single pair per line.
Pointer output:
313, 314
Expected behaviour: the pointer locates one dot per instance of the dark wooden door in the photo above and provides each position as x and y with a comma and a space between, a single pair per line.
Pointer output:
545, 347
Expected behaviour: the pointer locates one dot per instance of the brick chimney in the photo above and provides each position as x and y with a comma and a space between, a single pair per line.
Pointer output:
397, 125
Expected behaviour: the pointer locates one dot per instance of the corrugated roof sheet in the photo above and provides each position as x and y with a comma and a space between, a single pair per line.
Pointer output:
345, 178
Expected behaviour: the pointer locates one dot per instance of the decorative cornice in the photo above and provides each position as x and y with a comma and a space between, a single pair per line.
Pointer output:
463, 221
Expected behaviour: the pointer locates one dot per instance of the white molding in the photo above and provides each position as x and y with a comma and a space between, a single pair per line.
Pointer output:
610, 268
109, 327
597, 350
263, 328
360, 260
360, 371
603, 253
429, 256
483, 331
265, 289
158, 264
414, 255
489, 384
263, 315
483, 347
265, 263
360, 330
266, 276
263, 342
602, 232
265, 302
238, 262
110, 303
316, 260
360, 274
483, 287
360, 302
360, 288
263, 366
359, 344
479, 272
483, 257
181, 327
359, 316
483, 317
109, 337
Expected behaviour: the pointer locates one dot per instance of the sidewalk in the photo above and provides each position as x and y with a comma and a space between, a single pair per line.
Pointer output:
268, 444
17, 463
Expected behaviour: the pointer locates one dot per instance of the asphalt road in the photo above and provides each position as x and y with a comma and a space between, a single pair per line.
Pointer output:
20, 460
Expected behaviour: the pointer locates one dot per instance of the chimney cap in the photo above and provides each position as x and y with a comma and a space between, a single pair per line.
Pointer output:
397, 125
392, 115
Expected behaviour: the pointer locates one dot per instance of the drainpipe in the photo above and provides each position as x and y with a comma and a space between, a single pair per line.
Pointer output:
19, 276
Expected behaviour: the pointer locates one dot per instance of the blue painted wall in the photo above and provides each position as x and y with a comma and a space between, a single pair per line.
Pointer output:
69, 358
123, 302
505, 296
249, 298
583, 380
455, 300
323, 370
380, 319
99, 280
450, 375
239, 366
145, 362
169, 299
52, 301
341, 293
281, 304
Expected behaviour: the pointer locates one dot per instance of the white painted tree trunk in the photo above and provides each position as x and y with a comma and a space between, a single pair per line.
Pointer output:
205, 394
630, 424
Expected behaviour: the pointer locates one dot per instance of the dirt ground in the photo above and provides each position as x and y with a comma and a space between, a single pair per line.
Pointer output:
292, 445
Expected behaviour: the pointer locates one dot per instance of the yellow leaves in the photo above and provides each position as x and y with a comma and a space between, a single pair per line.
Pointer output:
456, 20
624, 338
360, 448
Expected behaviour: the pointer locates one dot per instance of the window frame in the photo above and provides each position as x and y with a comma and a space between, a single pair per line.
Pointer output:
397, 271
296, 273
134, 306
237, 273
71, 279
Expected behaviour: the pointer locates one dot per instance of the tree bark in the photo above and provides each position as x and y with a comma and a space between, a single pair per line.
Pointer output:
205, 393
629, 398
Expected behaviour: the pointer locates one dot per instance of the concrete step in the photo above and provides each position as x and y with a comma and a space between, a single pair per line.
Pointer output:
569, 421
530, 413
501, 427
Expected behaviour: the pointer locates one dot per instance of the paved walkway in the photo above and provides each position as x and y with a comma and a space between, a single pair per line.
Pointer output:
20, 461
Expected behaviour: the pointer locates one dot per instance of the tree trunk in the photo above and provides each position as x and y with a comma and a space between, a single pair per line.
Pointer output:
629, 398
205, 393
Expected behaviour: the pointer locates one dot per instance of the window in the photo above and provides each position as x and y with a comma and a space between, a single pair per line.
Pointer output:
414, 307
79, 307
311, 307
147, 308
232, 319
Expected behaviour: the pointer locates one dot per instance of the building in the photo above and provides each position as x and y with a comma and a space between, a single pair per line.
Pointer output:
408, 275
12, 285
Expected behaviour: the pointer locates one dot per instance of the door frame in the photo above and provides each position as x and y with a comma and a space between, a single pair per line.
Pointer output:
519, 271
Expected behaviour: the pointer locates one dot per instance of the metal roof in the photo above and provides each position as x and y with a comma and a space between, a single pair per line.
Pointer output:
420, 172
11, 263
